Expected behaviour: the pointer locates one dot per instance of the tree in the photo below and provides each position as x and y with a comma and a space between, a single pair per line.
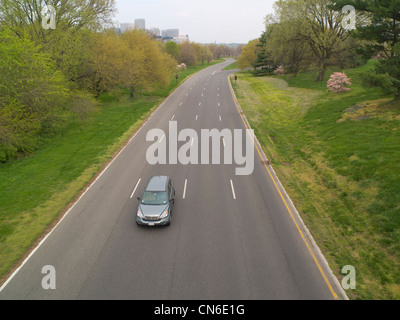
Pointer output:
188, 54
108, 61
280, 71
317, 25
286, 46
382, 30
146, 66
89, 14
215, 50
72, 51
133, 61
386, 74
381, 23
263, 64
220, 51
32, 95
204, 54
238, 51
249, 54
69, 44
172, 49
338, 82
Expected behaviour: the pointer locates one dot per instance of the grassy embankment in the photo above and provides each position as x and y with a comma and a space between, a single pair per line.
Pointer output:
338, 157
35, 190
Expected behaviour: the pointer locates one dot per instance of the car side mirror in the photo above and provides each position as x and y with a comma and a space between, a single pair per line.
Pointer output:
139, 198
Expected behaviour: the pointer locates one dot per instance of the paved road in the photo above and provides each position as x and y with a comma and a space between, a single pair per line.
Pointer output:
232, 237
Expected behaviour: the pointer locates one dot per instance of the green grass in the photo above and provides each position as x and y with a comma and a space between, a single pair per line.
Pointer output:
232, 66
34, 190
338, 157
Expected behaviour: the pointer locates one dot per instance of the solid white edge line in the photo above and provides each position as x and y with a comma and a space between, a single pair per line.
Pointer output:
72, 207
90, 186
184, 189
233, 190
134, 190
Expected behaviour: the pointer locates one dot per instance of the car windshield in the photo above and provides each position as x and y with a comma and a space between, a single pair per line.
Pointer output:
154, 197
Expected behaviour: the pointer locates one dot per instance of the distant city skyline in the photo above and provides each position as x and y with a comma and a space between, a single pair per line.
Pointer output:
206, 21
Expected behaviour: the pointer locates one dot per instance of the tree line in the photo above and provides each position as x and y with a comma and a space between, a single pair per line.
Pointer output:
305, 34
49, 75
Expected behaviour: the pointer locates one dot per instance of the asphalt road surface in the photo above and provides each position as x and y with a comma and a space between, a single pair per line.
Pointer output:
232, 237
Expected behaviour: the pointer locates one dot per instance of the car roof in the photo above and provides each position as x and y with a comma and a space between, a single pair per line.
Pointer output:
157, 183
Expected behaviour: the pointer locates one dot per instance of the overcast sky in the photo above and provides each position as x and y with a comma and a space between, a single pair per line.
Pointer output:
205, 21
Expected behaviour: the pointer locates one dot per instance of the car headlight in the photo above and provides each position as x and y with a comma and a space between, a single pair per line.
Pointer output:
164, 214
140, 214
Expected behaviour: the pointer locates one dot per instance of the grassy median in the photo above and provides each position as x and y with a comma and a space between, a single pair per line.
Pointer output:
337, 155
35, 190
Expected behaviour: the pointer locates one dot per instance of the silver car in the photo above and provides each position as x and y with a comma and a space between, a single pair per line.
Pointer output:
156, 204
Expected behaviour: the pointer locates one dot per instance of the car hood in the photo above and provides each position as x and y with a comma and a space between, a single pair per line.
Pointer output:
152, 210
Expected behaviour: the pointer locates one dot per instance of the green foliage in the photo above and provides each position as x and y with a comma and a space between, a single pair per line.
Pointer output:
286, 48
391, 67
40, 67
220, 51
380, 28
249, 54
72, 51
308, 33
34, 190
191, 53
378, 23
25, 16
70, 43
132, 61
263, 64
188, 54
32, 95
172, 49
383, 80
337, 157
204, 54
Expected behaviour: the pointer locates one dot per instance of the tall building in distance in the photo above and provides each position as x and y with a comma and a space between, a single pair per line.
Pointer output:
140, 24
126, 27
155, 33
170, 33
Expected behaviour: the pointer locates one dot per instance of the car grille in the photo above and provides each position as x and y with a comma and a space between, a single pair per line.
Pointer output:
151, 218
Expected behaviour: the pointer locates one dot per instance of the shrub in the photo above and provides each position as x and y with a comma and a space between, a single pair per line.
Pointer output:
32, 95
338, 82
280, 71
382, 80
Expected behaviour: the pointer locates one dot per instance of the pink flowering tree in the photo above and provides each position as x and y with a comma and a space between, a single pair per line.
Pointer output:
338, 82
280, 71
